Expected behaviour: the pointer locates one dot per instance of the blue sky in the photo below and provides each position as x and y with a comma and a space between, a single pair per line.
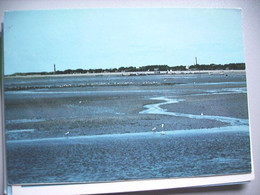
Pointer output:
110, 38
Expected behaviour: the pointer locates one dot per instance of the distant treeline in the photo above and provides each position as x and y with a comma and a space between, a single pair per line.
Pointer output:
231, 66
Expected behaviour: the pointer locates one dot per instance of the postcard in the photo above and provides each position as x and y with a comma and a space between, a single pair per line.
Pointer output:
116, 95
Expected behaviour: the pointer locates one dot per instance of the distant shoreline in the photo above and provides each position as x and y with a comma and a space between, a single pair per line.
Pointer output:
140, 73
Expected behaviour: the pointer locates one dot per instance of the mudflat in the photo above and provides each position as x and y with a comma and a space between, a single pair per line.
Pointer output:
56, 118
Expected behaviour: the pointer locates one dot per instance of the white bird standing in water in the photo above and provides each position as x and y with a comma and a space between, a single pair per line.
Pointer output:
163, 132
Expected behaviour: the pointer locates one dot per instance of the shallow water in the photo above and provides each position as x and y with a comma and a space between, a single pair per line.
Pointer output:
156, 109
13, 84
124, 157
96, 129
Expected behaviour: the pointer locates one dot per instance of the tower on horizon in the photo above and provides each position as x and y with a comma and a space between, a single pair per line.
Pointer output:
196, 62
54, 69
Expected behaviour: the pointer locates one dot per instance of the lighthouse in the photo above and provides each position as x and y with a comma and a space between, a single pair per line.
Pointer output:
196, 62
54, 69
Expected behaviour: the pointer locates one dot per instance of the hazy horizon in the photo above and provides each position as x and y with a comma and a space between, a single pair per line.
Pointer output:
51, 71
112, 38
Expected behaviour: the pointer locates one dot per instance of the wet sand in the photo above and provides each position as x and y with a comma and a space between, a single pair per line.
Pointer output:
117, 113
115, 109
103, 132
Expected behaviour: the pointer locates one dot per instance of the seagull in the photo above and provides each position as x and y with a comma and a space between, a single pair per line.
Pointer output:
162, 132
201, 114
67, 133
154, 129
80, 102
